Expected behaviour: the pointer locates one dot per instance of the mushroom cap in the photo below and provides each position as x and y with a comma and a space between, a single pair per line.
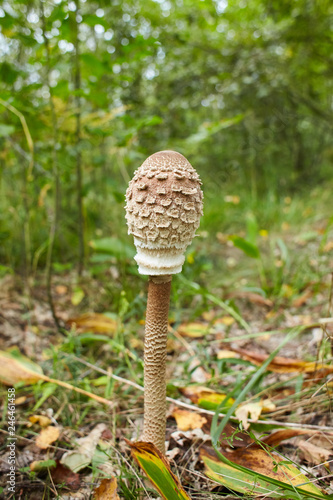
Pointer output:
163, 209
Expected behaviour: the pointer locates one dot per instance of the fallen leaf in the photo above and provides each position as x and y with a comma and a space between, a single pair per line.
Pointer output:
198, 374
63, 475
209, 315
94, 322
192, 436
193, 330
302, 299
254, 410
205, 398
270, 466
21, 400
61, 289
225, 353
40, 465
77, 296
188, 420
281, 435
158, 470
283, 365
47, 436
107, 490
225, 320
85, 448
14, 368
329, 246
42, 420
254, 298
313, 454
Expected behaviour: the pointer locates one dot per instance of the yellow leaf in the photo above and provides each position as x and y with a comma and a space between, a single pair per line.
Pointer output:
225, 353
94, 322
204, 397
287, 291
77, 296
188, 420
158, 470
47, 436
107, 490
42, 420
270, 465
254, 410
14, 368
193, 330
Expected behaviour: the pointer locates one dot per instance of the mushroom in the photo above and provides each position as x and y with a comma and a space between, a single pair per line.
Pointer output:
163, 209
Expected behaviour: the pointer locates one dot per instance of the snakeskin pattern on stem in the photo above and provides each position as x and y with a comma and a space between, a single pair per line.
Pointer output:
156, 333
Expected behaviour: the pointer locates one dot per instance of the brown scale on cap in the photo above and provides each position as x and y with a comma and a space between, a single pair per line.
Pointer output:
164, 205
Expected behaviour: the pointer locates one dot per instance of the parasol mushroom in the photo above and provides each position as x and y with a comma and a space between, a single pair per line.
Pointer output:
163, 209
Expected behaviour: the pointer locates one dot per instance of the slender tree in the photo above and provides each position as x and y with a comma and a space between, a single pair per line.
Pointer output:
77, 87
55, 171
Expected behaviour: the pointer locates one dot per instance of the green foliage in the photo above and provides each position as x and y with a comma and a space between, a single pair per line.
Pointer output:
242, 89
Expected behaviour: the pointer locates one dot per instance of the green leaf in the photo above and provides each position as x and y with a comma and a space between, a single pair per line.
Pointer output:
47, 391
151, 460
248, 248
114, 247
284, 482
6, 130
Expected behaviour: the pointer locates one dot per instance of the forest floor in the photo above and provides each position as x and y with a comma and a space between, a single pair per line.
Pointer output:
67, 442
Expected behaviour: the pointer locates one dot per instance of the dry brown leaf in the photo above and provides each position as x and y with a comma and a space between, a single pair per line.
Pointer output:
94, 322
63, 475
107, 490
61, 289
42, 420
188, 420
277, 437
313, 454
283, 365
47, 436
302, 299
254, 410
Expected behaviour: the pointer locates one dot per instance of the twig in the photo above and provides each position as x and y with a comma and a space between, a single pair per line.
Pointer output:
202, 410
31, 440
76, 389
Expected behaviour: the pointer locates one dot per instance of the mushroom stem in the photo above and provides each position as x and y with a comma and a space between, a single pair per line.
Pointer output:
156, 333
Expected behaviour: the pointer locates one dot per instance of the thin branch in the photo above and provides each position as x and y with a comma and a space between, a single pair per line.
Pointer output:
201, 410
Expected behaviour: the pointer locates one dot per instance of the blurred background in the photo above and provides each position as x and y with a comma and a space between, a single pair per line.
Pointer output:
89, 89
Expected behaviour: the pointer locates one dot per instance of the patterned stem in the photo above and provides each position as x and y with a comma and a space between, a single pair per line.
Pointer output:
156, 333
